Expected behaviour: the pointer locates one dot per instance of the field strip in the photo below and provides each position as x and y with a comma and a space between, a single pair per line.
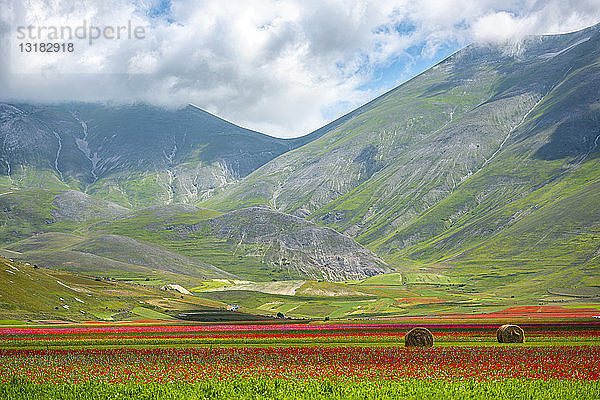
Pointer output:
11, 251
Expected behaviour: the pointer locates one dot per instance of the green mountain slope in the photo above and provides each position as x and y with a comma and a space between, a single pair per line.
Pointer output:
28, 211
49, 227
113, 256
40, 294
252, 243
180, 244
487, 159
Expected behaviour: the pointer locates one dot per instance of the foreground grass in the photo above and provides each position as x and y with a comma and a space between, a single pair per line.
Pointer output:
256, 388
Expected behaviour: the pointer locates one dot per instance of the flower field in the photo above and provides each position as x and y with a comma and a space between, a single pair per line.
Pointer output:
321, 363
286, 335
332, 361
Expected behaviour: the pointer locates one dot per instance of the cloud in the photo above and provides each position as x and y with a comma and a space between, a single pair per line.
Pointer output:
548, 17
279, 67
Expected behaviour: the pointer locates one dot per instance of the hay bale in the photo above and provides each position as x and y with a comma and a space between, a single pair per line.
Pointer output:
510, 334
418, 337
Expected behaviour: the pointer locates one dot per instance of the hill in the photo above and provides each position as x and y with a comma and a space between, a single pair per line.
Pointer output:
180, 244
36, 294
253, 243
49, 228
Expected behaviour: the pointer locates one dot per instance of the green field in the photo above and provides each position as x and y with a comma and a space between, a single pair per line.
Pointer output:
285, 389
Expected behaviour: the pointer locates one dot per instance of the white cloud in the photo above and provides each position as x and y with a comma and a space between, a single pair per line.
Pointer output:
501, 26
273, 66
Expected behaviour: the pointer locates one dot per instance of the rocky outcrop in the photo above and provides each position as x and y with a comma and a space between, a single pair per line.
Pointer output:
302, 247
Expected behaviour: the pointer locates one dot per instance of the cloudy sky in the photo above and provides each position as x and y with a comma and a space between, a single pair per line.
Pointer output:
280, 67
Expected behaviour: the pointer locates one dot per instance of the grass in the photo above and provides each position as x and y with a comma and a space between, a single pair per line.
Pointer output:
11, 322
389, 295
431, 279
246, 298
50, 241
28, 211
29, 177
30, 293
393, 279
256, 388
97, 266
147, 313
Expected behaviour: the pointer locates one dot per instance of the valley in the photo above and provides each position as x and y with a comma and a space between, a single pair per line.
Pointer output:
468, 190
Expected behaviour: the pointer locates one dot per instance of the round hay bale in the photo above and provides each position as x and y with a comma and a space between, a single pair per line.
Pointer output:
510, 334
418, 337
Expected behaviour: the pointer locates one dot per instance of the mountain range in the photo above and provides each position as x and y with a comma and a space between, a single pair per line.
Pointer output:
482, 170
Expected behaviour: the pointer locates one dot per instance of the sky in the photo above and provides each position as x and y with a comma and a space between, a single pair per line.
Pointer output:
284, 68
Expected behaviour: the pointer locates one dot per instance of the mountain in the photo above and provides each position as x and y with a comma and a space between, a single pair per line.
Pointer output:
476, 180
134, 155
177, 243
484, 166
253, 243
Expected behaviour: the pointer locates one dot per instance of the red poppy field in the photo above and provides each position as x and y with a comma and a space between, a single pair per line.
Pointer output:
558, 360
539, 334
302, 363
